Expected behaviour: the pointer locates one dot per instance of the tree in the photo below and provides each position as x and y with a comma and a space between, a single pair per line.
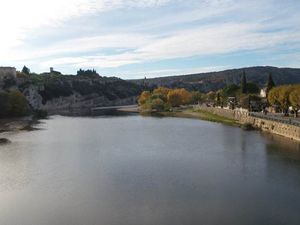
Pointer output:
162, 92
26, 70
88, 72
218, 98
18, 102
231, 90
179, 97
158, 104
5, 105
273, 96
270, 84
196, 97
174, 98
211, 96
144, 97
244, 83
280, 96
294, 99
252, 88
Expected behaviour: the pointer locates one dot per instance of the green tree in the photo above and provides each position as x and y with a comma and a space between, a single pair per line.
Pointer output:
211, 96
244, 83
218, 98
158, 105
5, 105
270, 84
196, 97
26, 70
18, 102
252, 88
231, 90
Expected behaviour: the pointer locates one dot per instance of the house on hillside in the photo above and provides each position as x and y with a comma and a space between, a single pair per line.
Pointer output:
263, 92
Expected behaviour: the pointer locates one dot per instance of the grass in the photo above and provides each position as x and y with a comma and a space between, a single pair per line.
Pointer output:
200, 114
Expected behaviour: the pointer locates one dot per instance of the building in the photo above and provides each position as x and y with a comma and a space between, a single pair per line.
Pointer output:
7, 72
263, 92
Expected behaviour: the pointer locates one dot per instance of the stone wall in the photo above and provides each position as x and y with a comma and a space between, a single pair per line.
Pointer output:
283, 129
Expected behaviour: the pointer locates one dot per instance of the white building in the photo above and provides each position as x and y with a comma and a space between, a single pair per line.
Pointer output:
263, 92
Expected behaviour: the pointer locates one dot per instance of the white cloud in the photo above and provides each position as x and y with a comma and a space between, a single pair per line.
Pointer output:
205, 27
19, 17
219, 39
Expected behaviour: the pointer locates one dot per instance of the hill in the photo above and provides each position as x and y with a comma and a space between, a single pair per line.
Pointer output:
212, 81
57, 93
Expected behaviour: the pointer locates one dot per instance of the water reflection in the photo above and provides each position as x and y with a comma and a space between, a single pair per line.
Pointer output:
142, 170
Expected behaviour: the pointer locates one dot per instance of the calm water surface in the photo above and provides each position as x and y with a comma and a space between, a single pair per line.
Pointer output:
155, 171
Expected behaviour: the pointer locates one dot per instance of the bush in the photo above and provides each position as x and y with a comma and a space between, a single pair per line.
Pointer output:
13, 103
18, 102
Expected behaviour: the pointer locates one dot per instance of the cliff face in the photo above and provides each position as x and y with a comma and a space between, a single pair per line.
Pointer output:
60, 94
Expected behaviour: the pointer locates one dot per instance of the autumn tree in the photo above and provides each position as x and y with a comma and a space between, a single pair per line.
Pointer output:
174, 98
158, 104
280, 96
294, 99
162, 92
144, 97
178, 97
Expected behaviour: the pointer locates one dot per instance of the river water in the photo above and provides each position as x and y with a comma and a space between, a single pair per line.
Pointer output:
134, 170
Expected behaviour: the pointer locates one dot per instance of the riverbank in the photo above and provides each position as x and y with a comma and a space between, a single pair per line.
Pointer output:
197, 114
238, 118
259, 122
17, 124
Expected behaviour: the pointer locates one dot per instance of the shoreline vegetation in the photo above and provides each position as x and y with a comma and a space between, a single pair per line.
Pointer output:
179, 102
195, 114
18, 124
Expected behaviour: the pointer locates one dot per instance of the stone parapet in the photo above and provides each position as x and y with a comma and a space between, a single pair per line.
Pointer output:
268, 125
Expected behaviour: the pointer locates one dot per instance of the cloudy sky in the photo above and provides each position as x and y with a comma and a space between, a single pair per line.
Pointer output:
134, 38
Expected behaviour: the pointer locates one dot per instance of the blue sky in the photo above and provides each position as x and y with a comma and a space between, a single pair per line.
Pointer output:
132, 39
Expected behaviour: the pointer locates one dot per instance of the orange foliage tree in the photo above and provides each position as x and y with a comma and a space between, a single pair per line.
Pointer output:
144, 97
179, 97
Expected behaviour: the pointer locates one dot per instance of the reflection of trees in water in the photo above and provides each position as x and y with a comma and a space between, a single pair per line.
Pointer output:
284, 147
283, 160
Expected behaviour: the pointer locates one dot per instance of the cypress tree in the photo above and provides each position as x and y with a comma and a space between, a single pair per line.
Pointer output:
244, 83
26, 70
270, 84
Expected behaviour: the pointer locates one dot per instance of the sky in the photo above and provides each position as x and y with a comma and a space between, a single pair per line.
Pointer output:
136, 38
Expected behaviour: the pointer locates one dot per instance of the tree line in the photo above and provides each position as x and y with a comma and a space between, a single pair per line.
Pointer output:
164, 99
285, 96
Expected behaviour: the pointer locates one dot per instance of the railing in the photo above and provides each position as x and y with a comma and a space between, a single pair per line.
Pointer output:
276, 118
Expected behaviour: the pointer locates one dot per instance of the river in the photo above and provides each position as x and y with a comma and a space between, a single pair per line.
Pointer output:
134, 170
